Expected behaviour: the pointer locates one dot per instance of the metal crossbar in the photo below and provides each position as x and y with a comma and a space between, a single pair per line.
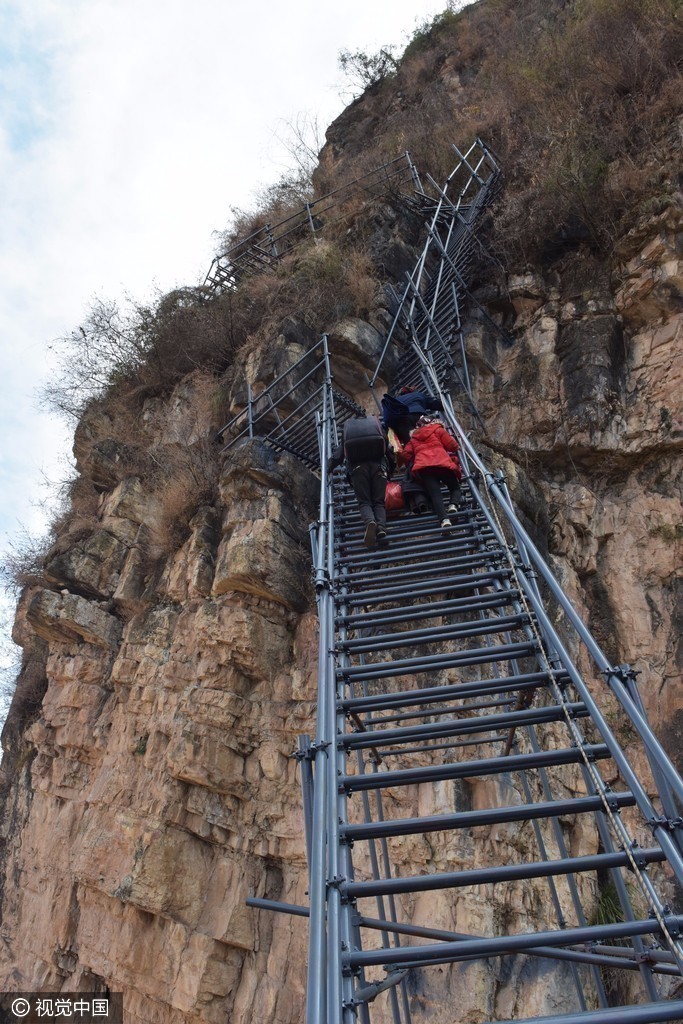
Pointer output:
267, 244
429, 310
441, 674
286, 414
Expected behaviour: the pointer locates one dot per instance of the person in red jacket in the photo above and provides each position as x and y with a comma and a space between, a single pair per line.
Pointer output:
432, 455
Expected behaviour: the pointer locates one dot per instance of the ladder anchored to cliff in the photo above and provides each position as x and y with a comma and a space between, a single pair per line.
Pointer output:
454, 717
263, 249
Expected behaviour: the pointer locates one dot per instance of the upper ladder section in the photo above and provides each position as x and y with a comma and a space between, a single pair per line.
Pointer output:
287, 414
265, 246
428, 322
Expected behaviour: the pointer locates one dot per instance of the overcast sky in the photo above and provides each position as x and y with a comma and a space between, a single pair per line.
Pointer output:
128, 129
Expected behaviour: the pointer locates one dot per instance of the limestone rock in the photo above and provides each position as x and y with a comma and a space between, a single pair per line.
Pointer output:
69, 617
92, 565
105, 462
265, 548
356, 347
591, 354
128, 501
131, 582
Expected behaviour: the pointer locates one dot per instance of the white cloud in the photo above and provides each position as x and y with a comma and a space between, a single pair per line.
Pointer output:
128, 128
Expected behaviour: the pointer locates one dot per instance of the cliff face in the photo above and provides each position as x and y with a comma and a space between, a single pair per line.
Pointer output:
588, 404
148, 781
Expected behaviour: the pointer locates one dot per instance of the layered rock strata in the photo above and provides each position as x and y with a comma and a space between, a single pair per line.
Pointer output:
149, 786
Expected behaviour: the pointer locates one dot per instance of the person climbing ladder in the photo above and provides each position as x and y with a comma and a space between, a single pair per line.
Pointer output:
432, 456
366, 454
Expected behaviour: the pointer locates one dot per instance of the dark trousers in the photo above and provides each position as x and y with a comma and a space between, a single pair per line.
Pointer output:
431, 481
369, 481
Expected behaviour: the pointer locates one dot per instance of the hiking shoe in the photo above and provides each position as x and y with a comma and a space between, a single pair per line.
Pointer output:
382, 538
370, 535
452, 508
446, 524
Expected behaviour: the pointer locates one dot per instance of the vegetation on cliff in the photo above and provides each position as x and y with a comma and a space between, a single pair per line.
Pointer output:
579, 99
168, 654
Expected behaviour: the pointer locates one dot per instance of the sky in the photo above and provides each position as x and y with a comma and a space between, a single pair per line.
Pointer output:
128, 130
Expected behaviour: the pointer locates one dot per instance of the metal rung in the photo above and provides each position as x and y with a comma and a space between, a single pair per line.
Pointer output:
652, 1013
434, 634
451, 691
409, 531
471, 769
460, 726
407, 552
428, 568
474, 819
480, 656
442, 585
428, 710
451, 952
429, 748
414, 613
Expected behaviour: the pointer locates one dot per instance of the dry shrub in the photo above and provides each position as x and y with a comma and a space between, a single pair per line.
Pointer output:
186, 478
317, 285
23, 562
360, 283
187, 333
574, 93
273, 204
579, 98
132, 354
329, 283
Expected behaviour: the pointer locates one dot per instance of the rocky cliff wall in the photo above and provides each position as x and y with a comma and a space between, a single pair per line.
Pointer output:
148, 781
154, 787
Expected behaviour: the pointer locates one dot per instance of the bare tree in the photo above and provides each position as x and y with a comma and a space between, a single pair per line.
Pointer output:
366, 69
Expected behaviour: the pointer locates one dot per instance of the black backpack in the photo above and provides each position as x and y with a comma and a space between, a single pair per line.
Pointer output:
363, 440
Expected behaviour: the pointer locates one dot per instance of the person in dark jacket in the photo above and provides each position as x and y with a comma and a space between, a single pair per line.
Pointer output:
402, 411
432, 455
364, 450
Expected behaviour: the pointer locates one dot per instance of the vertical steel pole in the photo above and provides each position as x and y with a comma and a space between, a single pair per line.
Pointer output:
414, 172
334, 924
273, 246
628, 678
304, 756
310, 221
316, 990
250, 413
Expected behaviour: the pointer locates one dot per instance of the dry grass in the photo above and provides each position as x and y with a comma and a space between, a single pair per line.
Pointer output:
186, 478
579, 99
130, 354
577, 102
23, 562
316, 285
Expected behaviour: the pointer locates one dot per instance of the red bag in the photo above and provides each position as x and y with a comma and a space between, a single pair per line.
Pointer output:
393, 496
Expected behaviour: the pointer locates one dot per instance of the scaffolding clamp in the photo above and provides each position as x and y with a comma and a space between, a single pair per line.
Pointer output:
321, 580
611, 799
624, 673
321, 745
663, 822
